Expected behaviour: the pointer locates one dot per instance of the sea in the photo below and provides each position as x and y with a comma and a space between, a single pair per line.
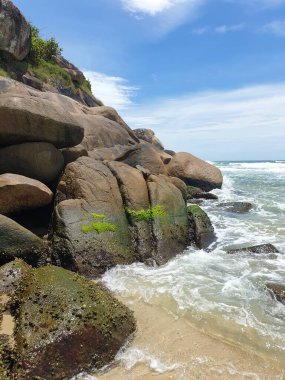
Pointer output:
220, 294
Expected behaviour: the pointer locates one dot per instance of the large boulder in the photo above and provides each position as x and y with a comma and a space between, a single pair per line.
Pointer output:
66, 325
149, 157
15, 31
18, 193
202, 227
114, 153
28, 115
149, 136
91, 231
134, 192
195, 172
169, 218
18, 242
41, 161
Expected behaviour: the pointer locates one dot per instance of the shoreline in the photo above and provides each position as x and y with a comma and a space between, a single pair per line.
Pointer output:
168, 348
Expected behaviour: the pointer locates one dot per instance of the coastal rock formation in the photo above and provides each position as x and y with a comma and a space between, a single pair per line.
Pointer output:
11, 274
195, 172
65, 325
15, 32
41, 161
277, 291
263, 248
236, 207
18, 193
76, 74
149, 136
203, 229
16, 241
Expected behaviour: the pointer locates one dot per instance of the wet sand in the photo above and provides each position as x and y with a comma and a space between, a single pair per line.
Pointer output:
168, 348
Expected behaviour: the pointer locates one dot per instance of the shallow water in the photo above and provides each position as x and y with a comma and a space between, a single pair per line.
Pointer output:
224, 295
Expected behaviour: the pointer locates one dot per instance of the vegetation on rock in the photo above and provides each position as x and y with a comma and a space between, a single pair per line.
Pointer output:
99, 226
148, 214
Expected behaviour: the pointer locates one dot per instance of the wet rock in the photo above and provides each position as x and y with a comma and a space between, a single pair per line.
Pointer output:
40, 161
193, 191
208, 196
195, 201
263, 248
18, 242
18, 193
204, 234
11, 275
195, 172
27, 115
90, 228
149, 136
170, 222
66, 325
277, 291
15, 31
236, 207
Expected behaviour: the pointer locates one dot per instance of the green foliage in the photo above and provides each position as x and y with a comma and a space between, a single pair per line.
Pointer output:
41, 49
148, 214
3, 73
98, 226
50, 72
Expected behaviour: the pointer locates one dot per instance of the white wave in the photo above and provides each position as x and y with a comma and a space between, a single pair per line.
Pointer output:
275, 167
133, 356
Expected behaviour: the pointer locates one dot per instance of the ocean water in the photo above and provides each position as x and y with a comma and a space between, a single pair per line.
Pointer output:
225, 294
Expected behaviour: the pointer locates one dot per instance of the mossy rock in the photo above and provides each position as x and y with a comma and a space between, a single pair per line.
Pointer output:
192, 191
4, 359
11, 274
204, 234
66, 325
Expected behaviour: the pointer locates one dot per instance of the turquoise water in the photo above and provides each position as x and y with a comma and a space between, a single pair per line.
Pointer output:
220, 293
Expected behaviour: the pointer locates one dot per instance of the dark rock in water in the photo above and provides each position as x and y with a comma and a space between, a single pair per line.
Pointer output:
263, 248
170, 221
195, 172
11, 274
149, 136
134, 193
193, 191
90, 228
170, 152
17, 242
18, 193
277, 291
41, 161
15, 31
236, 207
209, 196
195, 201
66, 325
204, 234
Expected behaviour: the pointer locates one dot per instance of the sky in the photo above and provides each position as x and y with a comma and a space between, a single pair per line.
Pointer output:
208, 76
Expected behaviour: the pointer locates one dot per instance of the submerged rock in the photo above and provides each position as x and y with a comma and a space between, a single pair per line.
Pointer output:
66, 325
236, 207
263, 248
195, 172
204, 234
18, 193
16, 241
41, 161
277, 291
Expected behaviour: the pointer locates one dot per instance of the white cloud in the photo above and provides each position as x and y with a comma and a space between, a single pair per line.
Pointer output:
275, 27
201, 31
153, 7
113, 91
243, 123
229, 28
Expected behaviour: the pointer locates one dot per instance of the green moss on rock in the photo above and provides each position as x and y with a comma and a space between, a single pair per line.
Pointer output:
148, 214
66, 324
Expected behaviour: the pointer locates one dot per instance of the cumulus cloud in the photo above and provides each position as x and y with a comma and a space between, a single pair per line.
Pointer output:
247, 122
113, 91
275, 27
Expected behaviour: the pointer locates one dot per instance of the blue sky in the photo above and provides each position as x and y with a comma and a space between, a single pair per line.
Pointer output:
208, 76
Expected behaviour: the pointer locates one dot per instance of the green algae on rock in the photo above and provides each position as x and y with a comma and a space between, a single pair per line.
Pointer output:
66, 324
148, 214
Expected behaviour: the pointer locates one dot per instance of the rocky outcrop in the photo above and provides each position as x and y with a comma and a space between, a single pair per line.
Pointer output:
18, 242
202, 227
90, 224
41, 161
149, 136
263, 248
181, 186
195, 172
65, 325
76, 74
29, 115
72, 154
15, 32
170, 222
236, 207
11, 274
277, 291
18, 193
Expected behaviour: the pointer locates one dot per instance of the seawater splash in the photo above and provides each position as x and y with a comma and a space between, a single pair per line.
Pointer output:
220, 293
